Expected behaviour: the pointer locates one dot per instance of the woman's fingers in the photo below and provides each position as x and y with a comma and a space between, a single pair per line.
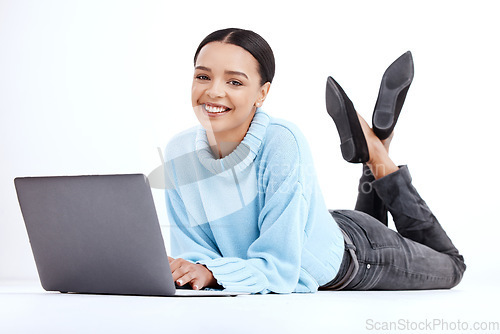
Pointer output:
197, 284
178, 263
183, 271
202, 278
179, 268
184, 279
195, 281
186, 272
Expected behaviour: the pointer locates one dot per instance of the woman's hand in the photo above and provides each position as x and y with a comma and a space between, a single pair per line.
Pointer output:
197, 275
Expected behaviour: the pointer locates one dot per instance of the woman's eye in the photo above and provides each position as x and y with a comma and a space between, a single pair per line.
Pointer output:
202, 77
235, 83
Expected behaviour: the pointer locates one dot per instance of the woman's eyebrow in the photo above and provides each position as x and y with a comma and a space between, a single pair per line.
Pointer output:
203, 68
236, 73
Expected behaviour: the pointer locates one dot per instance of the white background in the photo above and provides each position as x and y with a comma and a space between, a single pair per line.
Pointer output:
94, 87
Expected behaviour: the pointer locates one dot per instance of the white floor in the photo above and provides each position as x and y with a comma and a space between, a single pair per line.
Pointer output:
27, 308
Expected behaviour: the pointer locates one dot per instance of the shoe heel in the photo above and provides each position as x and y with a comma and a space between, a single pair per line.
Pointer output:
351, 154
384, 119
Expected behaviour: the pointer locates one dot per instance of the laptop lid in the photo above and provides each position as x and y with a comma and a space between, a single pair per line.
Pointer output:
95, 234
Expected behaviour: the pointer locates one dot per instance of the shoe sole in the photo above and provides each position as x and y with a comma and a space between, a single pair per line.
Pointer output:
347, 123
393, 88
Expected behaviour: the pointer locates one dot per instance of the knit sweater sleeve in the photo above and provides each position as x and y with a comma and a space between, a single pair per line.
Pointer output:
273, 262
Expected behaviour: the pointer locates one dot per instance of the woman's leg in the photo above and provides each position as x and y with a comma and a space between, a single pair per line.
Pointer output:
412, 216
389, 261
368, 200
421, 255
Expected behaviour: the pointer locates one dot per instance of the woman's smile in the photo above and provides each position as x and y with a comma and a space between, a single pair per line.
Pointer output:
214, 109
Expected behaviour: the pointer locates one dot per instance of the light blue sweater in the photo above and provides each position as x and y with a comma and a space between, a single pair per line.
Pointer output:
255, 218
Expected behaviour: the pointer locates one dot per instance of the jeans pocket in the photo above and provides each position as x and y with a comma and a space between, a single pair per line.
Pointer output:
378, 235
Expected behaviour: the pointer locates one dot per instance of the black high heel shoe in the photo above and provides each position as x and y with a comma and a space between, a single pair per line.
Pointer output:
393, 88
340, 108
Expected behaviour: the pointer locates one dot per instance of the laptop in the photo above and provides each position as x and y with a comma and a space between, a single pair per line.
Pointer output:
98, 234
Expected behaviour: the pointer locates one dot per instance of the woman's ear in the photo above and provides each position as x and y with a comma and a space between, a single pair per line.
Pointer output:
264, 90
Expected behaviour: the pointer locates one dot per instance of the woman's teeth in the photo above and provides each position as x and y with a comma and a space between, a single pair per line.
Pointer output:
215, 109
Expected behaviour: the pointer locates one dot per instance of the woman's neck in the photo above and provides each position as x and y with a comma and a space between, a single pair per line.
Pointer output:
224, 142
222, 146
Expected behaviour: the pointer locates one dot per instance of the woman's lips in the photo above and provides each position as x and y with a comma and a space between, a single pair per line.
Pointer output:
215, 110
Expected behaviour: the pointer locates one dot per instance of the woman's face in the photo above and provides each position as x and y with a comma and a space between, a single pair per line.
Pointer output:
226, 90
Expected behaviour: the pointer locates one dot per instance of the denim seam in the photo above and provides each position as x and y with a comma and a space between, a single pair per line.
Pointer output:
407, 271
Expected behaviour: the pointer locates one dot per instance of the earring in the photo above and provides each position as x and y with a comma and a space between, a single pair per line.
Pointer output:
257, 104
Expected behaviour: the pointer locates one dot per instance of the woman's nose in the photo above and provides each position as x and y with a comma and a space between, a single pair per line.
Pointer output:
216, 89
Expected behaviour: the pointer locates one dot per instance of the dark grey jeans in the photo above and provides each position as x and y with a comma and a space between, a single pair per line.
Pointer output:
419, 256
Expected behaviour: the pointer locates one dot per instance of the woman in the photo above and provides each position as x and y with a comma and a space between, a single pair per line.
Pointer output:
245, 206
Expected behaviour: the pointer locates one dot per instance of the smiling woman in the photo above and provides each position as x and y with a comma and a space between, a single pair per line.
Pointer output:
226, 92
245, 205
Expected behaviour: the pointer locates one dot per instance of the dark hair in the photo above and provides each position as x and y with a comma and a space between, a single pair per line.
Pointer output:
250, 41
